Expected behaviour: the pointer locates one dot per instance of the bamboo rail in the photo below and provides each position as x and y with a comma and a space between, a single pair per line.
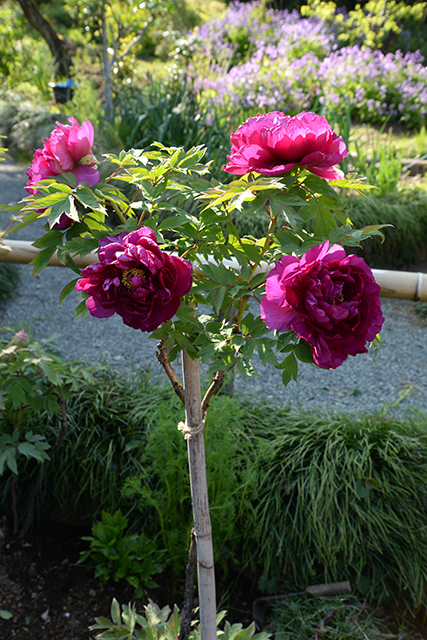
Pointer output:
406, 285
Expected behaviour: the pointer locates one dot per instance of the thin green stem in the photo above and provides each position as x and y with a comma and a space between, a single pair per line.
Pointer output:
271, 226
231, 220
119, 213
241, 311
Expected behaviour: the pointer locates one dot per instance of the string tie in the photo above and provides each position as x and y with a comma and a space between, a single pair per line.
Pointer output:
188, 432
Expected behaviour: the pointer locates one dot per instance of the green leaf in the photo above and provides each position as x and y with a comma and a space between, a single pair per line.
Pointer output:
361, 489
290, 366
325, 221
308, 212
5, 615
115, 612
246, 368
88, 199
42, 259
11, 461
265, 352
52, 238
81, 310
303, 352
66, 206
70, 262
320, 186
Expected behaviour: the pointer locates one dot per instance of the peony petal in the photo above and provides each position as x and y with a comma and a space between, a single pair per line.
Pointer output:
327, 298
274, 144
87, 174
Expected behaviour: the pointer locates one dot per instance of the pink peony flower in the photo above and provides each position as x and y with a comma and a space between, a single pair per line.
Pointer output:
67, 150
135, 279
272, 144
327, 298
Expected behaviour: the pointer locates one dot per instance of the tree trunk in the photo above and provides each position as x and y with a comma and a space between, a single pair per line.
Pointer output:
193, 431
59, 50
108, 70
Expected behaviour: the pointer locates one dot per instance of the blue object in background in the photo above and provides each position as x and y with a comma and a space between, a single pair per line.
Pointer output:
63, 91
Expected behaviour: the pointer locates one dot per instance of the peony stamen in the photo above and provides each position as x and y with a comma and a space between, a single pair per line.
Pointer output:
128, 274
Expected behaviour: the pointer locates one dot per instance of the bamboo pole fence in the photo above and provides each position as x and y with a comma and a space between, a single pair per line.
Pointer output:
405, 285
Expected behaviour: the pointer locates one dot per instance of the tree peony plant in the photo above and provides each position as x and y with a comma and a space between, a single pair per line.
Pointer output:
329, 299
67, 150
273, 144
314, 294
135, 279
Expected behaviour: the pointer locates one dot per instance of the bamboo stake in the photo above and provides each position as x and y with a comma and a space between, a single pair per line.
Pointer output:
193, 431
406, 285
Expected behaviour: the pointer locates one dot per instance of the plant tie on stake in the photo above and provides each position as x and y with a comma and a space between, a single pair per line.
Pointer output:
189, 432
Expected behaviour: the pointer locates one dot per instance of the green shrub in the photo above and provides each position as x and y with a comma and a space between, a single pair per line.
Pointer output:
405, 241
119, 555
9, 281
101, 448
307, 498
162, 624
162, 490
343, 498
301, 617
34, 381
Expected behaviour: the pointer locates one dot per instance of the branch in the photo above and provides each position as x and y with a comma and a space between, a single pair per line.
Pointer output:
135, 40
55, 43
216, 384
189, 589
162, 357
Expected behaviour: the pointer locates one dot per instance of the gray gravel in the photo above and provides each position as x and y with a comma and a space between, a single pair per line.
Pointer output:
396, 375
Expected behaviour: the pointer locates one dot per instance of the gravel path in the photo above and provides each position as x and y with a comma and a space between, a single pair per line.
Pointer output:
396, 375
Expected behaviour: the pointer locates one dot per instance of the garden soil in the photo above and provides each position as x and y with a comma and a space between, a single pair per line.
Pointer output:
50, 598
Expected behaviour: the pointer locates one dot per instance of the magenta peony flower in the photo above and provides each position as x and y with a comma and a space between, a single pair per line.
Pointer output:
329, 299
67, 150
272, 144
135, 279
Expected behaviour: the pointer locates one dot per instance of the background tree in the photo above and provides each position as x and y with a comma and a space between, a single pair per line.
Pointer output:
60, 48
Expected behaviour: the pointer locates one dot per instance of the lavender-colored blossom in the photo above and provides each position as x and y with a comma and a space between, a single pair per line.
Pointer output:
293, 63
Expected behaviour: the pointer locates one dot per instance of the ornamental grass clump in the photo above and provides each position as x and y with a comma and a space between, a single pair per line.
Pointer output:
343, 498
154, 271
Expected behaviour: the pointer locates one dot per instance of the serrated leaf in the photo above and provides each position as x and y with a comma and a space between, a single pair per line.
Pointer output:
88, 199
325, 221
67, 206
246, 368
290, 366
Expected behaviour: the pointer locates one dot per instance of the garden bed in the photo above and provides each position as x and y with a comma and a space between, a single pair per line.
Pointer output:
52, 599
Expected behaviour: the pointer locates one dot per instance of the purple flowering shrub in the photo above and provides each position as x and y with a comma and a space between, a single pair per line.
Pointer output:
290, 63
